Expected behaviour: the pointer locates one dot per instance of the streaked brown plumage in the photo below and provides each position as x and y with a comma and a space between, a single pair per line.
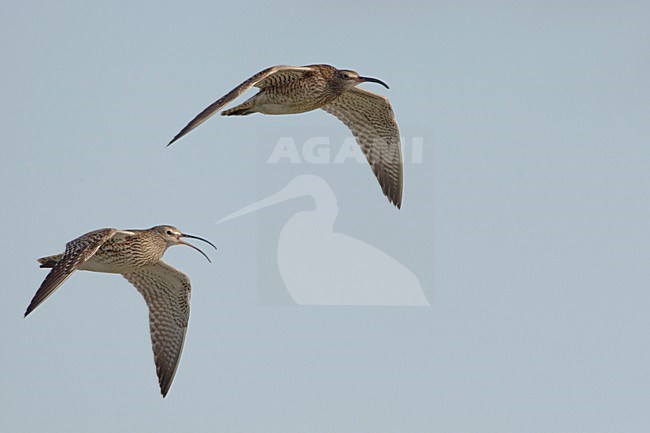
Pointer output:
137, 255
298, 89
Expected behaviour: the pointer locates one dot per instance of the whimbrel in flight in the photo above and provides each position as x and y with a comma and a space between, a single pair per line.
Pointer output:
137, 255
297, 89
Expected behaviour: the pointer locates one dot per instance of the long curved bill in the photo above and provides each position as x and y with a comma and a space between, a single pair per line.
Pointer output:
373, 80
197, 249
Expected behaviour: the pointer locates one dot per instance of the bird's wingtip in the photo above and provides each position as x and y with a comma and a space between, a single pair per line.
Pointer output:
164, 389
395, 201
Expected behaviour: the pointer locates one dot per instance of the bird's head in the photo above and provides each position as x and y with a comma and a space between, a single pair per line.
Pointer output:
172, 236
349, 79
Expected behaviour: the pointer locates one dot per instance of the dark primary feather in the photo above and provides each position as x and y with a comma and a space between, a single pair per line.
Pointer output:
76, 253
261, 80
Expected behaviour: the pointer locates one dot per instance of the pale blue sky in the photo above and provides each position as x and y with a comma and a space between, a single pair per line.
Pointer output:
526, 222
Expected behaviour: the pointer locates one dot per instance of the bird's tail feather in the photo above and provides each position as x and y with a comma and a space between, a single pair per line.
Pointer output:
50, 261
240, 110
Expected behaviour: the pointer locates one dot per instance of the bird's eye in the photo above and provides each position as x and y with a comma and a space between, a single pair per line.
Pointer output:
346, 76
170, 233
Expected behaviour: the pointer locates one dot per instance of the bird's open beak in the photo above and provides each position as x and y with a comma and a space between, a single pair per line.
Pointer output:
373, 80
192, 246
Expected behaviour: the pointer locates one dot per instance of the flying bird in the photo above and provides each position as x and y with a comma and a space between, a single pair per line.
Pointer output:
298, 89
137, 256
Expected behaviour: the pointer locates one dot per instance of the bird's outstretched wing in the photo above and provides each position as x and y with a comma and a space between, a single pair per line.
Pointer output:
268, 77
167, 293
77, 251
372, 122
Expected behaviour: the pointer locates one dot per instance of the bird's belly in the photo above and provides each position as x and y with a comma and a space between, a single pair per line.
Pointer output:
289, 100
110, 266
270, 108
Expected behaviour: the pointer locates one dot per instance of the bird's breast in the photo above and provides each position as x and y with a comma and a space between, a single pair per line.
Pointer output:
124, 257
298, 97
